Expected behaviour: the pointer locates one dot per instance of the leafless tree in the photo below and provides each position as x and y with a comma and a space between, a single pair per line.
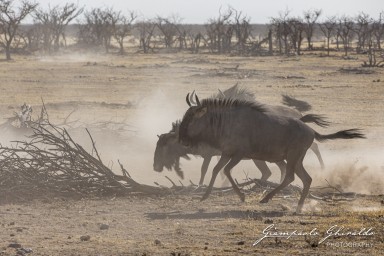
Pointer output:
282, 31
310, 18
242, 30
168, 29
297, 28
32, 36
124, 28
378, 30
329, 29
363, 30
10, 19
53, 23
146, 30
194, 38
219, 32
99, 27
345, 31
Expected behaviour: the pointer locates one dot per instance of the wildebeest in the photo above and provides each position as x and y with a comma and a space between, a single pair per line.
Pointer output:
295, 109
169, 151
242, 129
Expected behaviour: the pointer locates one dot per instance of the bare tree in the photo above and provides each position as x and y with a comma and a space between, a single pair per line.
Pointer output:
345, 32
362, 30
219, 32
378, 29
168, 28
310, 18
328, 28
53, 23
124, 28
242, 30
146, 29
99, 27
297, 28
282, 31
10, 19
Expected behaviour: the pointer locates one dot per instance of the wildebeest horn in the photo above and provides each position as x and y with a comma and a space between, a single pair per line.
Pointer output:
187, 99
191, 98
197, 100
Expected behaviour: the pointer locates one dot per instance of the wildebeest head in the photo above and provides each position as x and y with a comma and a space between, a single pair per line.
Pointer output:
168, 151
191, 125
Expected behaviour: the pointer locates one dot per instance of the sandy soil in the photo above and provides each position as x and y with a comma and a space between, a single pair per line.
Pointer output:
147, 92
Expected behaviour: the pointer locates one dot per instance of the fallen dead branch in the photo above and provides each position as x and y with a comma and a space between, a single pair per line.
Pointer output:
53, 164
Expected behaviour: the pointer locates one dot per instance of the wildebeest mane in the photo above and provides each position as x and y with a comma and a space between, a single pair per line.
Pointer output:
228, 103
219, 115
175, 126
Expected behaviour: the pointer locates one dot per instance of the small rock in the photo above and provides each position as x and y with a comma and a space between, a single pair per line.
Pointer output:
206, 248
157, 242
14, 245
240, 243
302, 222
12, 223
268, 221
23, 251
19, 230
85, 238
104, 226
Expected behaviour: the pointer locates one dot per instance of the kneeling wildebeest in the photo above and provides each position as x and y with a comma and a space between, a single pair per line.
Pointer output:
241, 129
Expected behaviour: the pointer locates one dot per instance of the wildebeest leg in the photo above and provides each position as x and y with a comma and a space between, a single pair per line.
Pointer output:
315, 149
262, 166
307, 180
283, 168
204, 169
227, 170
289, 177
222, 162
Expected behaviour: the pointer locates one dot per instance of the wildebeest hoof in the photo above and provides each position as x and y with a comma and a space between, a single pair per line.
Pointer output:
264, 200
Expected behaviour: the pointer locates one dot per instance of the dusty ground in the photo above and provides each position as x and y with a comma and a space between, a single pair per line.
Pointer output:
147, 92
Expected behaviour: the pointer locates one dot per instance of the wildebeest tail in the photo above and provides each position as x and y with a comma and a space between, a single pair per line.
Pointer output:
300, 105
317, 119
345, 134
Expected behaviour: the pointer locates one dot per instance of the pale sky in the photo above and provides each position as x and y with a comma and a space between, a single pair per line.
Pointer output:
199, 11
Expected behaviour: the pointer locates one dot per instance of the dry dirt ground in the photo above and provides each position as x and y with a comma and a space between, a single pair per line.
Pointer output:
147, 92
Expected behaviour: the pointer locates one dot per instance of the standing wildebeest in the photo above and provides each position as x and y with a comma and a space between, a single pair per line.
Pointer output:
237, 93
241, 129
169, 150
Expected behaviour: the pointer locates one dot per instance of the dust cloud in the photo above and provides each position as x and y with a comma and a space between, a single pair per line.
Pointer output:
359, 170
352, 169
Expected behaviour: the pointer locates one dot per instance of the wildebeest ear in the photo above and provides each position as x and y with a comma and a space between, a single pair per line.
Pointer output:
201, 112
158, 136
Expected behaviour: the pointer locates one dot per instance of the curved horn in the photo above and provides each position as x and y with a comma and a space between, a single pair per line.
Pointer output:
222, 94
187, 99
191, 98
197, 100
